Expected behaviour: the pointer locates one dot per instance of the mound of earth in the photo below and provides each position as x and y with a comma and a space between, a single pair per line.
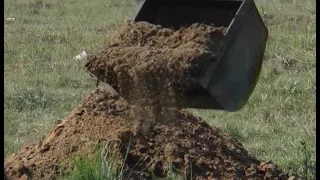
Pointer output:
156, 65
189, 143
149, 67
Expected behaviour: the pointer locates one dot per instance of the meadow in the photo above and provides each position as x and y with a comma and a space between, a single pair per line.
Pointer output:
43, 83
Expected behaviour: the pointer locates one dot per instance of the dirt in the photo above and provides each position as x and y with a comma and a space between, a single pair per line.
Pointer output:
147, 66
191, 145
156, 65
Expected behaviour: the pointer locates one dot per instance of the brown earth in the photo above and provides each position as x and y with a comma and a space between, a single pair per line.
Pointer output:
156, 65
192, 146
148, 66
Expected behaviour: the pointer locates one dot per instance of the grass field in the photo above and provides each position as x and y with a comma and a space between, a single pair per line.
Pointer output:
43, 83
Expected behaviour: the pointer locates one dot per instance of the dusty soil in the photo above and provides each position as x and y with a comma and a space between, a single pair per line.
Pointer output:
147, 65
156, 65
192, 146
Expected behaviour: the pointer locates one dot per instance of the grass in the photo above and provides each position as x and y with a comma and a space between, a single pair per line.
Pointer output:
43, 83
281, 111
103, 166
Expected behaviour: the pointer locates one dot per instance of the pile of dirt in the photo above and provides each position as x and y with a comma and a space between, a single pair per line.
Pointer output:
156, 65
146, 65
190, 144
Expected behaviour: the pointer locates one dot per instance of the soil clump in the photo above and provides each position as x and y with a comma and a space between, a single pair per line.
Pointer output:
151, 65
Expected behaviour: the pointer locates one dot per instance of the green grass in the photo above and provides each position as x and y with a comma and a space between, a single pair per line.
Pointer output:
281, 111
103, 166
43, 83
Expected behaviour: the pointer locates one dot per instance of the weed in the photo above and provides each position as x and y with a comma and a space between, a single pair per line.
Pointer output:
307, 168
103, 167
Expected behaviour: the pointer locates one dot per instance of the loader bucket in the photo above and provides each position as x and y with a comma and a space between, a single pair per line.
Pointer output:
228, 84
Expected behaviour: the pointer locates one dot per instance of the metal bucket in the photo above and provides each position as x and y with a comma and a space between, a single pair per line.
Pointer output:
228, 82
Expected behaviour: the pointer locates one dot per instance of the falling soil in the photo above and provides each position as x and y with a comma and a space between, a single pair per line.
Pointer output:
188, 143
149, 65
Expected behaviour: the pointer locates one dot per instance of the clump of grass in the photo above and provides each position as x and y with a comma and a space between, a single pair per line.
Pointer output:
102, 167
28, 100
307, 168
171, 172
105, 165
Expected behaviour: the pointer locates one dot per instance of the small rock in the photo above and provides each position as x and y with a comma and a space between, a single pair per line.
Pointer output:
81, 56
24, 177
293, 178
10, 20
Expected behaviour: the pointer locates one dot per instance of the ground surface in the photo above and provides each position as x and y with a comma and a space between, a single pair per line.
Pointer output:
43, 84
